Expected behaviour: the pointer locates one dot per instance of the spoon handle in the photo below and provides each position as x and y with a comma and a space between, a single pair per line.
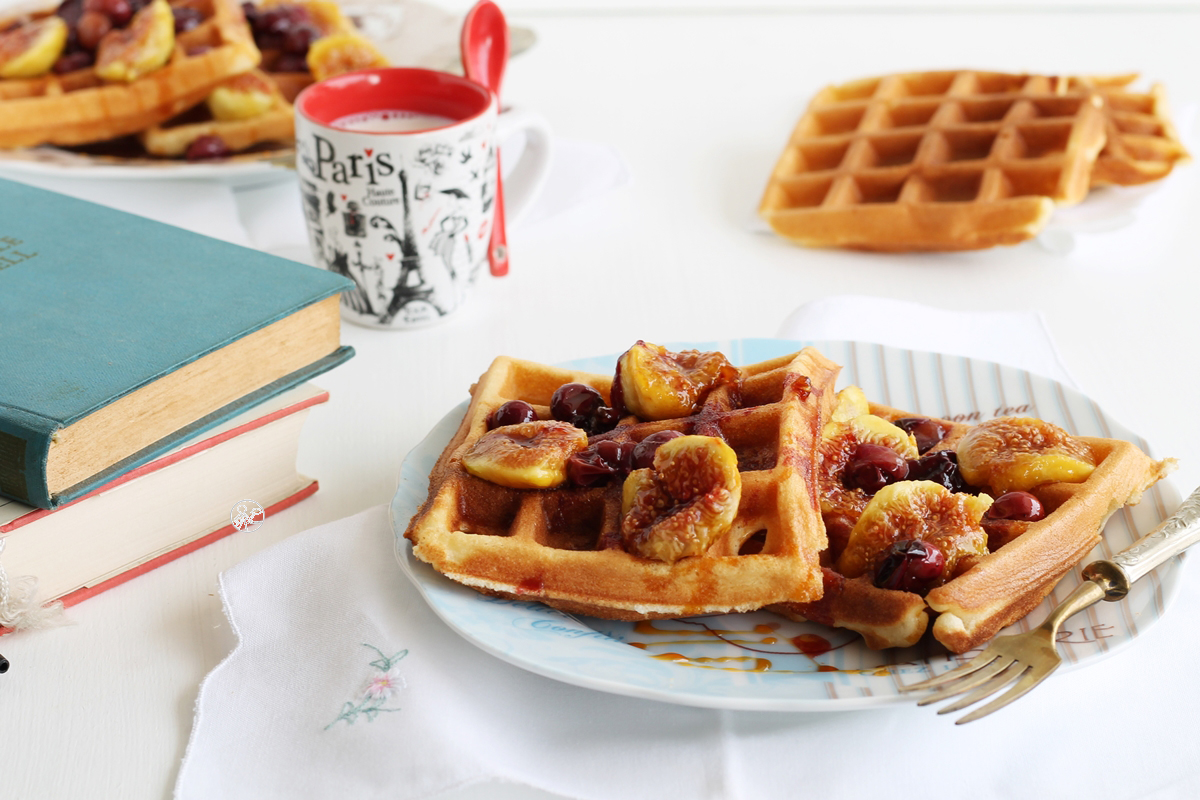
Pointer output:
498, 247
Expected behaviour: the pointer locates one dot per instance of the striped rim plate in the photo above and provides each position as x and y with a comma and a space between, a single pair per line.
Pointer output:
761, 661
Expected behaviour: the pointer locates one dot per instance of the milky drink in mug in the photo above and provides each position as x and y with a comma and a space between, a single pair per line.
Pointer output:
397, 171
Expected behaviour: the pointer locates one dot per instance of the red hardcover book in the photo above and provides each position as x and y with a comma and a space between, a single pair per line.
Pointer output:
187, 498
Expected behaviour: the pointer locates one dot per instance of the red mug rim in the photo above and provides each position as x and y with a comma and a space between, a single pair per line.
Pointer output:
424, 91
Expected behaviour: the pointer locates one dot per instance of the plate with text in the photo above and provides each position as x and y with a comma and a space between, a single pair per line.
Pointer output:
762, 661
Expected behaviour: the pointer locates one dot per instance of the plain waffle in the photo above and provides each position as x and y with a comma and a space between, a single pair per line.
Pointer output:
948, 160
1002, 586
562, 546
1141, 143
79, 107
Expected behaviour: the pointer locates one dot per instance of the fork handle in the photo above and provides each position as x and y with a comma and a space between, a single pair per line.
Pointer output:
1177, 533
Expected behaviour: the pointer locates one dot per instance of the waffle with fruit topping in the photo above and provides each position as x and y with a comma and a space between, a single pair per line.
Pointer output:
970, 525
718, 512
140, 72
301, 42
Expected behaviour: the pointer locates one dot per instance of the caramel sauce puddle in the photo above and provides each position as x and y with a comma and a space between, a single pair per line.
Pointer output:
750, 640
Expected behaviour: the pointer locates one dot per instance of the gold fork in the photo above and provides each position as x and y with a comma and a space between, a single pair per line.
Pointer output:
1024, 660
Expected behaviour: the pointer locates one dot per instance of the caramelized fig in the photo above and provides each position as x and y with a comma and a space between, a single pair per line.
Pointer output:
1019, 453
126, 54
31, 49
342, 52
531, 455
688, 499
656, 383
916, 510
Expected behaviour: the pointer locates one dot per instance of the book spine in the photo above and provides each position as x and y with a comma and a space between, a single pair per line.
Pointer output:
24, 449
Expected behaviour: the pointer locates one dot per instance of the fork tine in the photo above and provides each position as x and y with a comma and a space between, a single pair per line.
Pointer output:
1013, 671
938, 681
1020, 689
998, 664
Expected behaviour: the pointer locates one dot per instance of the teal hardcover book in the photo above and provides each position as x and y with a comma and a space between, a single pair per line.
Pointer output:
121, 337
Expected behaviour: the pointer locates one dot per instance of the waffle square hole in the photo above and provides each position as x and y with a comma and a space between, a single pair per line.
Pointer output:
1138, 124
909, 115
892, 151
1038, 141
839, 119
493, 508
805, 191
930, 83
574, 521
987, 110
878, 189
999, 82
953, 188
821, 156
1031, 182
755, 439
1056, 106
858, 90
968, 145
1137, 103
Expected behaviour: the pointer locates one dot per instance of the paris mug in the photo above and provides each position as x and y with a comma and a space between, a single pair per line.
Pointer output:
397, 172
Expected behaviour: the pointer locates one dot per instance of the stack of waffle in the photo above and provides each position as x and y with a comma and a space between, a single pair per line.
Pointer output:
171, 73
786, 529
960, 160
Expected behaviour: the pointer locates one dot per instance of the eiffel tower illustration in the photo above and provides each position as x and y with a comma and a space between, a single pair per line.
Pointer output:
410, 286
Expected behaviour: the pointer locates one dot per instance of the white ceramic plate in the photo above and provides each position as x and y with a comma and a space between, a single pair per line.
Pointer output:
760, 661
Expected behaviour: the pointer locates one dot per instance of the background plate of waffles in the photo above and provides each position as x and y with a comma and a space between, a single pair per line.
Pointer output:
407, 33
762, 661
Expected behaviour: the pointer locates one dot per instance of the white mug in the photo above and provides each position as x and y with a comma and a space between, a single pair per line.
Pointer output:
397, 170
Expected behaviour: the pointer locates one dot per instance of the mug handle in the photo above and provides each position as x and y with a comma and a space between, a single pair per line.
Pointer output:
525, 178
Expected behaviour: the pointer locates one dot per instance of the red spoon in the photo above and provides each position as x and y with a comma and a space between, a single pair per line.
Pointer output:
484, 47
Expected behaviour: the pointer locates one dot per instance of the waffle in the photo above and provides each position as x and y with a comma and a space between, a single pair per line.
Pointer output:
562, 546
1141, 143
79, 108
1001, 587
275, 124
951, 160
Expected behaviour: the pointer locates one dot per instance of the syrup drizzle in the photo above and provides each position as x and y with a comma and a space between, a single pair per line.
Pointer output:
756, 639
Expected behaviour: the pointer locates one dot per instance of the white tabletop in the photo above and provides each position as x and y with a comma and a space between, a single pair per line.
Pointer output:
698, 103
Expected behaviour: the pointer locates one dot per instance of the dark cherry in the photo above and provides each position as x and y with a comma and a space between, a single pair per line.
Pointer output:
926, 431
298, 39
206, 147
119, 11
92, 27
599, 462
186, 18
76, 59
251, 12
70, 11
583, 407
1020, 506
290, 62
873, 466
643, 451
940, 466
514, 412
910, 565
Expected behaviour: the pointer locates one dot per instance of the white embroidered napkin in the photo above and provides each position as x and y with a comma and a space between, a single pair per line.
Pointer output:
1016, 338
344, 684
